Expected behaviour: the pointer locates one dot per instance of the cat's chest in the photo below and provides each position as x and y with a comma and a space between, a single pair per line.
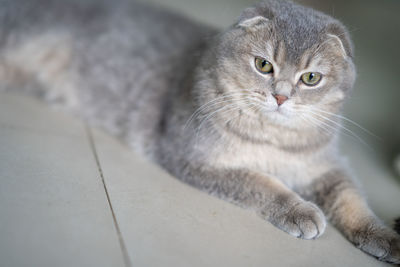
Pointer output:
292, 168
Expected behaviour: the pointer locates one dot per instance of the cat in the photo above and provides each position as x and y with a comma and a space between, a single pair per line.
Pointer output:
248, 114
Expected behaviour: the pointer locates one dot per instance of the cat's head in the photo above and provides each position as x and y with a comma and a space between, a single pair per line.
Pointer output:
284, 64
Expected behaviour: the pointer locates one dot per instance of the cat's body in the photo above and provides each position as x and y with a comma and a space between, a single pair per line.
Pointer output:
107, 62
190, 99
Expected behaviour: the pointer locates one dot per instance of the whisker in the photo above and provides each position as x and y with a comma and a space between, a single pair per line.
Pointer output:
336, 123
348, 120
209, 104
210, 116
318, 122
226, 108
352, 134
248, 103
251, 106
214, 102
313, 123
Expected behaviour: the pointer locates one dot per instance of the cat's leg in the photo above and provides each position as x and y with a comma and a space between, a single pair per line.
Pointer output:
347, 209
270, 198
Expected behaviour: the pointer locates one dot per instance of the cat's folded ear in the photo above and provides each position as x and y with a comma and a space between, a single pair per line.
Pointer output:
251, 19
253, 23
340, 37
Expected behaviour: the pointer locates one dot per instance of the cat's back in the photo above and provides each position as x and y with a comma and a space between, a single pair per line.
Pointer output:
112, 61
125, 34
94, 18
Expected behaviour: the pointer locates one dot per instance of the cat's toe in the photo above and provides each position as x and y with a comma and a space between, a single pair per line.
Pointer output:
310, 220
383, 243
305, 220
393, 251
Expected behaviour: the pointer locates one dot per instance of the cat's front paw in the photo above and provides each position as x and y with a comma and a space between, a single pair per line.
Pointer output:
383, 243
303, 220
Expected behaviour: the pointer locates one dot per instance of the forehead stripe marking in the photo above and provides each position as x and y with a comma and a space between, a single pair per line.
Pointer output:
308, 61
276, 50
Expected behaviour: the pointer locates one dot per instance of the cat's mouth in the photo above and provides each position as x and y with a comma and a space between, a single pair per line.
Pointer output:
274, 108
279, 111
281, 114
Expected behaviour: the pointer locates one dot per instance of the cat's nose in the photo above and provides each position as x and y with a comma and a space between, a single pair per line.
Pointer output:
280, 99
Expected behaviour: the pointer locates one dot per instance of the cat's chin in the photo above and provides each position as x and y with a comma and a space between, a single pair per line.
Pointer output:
281, 116
277, 117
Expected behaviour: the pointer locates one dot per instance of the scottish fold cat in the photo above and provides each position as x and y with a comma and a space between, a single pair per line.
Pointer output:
248, 114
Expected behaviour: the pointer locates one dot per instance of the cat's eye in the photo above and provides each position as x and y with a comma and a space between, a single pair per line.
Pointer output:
263, 65
311, 78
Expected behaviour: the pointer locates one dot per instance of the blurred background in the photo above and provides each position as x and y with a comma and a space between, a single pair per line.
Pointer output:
375, 30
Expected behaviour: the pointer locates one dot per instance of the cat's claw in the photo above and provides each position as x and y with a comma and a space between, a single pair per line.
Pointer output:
304, 220
383, 243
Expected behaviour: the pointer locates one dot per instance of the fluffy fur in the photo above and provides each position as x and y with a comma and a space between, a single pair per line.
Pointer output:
190, 98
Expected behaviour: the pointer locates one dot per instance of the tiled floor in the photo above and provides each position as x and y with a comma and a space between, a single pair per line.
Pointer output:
74, 196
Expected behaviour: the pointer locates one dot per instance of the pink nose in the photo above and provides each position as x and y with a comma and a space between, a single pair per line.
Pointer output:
280, 99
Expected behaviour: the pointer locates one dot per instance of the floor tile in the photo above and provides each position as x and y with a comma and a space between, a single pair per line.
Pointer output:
28, 114
53, 208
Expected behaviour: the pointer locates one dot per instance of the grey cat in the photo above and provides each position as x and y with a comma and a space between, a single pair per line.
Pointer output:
248, 114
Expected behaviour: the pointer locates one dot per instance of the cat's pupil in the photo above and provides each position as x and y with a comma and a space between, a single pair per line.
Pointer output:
311, 76
264, 62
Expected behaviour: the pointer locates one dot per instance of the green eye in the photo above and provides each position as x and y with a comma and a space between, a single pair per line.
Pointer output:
263, 65
311, 78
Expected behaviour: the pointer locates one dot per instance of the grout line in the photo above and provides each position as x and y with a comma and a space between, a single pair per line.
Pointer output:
120, 238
